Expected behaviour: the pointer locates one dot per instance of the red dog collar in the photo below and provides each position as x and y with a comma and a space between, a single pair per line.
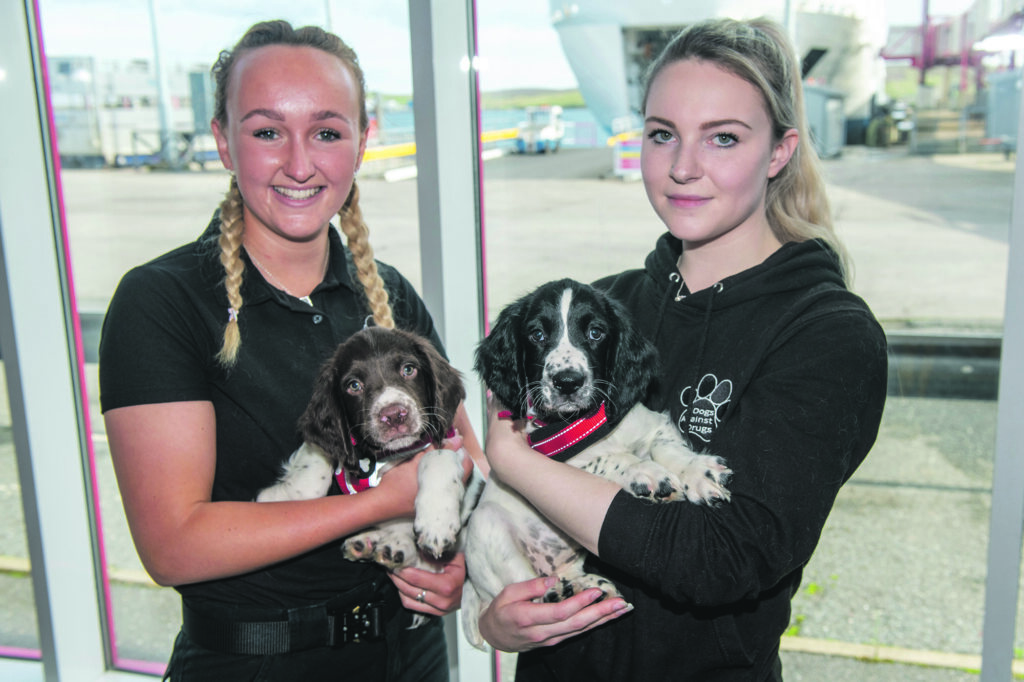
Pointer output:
562, 440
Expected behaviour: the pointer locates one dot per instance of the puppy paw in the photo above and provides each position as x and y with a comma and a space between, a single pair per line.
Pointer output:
395, 553
566, 588
652, 481
439, 503
359, 547
437, 524
437, 540
704, 480
389, 551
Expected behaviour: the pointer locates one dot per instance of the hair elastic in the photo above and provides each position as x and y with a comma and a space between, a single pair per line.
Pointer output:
232, 315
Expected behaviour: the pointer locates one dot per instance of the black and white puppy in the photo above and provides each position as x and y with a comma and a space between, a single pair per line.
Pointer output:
385, 396
567, 358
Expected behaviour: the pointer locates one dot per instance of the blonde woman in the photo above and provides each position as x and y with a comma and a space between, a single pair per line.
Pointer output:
208, 357
767, 360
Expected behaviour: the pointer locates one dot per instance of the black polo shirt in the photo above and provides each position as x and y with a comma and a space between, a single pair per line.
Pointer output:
160, 337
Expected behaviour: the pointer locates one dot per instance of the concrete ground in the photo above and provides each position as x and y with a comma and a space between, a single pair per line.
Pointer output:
899, 573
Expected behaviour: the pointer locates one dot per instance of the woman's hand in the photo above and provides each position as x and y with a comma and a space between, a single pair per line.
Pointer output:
505, 436
400, 483
432, 593
515, 622
456, 443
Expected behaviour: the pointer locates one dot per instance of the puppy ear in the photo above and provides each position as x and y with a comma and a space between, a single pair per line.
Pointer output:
634, 362
500, 360
445, 386
325, 422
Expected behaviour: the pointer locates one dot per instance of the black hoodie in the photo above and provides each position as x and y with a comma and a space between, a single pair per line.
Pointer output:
790, 373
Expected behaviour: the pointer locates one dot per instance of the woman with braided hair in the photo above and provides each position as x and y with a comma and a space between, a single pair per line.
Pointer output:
207, 359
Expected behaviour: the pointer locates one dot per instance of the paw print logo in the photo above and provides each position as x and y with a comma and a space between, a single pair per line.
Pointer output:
705, 405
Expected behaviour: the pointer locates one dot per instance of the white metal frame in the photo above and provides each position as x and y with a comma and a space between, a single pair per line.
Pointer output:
447, 162
1007, 522
42, 372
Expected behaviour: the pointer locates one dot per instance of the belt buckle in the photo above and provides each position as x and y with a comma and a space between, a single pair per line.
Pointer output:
363, 623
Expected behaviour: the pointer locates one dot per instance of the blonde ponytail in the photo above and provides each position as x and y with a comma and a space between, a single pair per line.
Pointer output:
797, 201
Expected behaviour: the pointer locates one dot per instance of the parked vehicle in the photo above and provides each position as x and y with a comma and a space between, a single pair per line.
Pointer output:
542, 131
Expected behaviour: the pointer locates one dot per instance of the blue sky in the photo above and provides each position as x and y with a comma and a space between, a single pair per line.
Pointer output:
516, 40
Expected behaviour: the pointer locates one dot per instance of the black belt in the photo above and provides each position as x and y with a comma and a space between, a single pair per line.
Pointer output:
280, 631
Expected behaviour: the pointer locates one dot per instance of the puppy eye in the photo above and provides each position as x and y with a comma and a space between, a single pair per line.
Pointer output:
595, 334
537, 336
354, 386
409, 371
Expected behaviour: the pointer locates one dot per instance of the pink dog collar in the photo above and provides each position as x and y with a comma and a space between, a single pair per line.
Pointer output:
350, 485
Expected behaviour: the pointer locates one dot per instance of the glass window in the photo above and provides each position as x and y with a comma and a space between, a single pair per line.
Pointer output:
19, 636
130, 196
921, 181
921, 500
921, 192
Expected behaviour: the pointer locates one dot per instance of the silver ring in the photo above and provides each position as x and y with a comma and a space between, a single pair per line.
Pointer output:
422, 596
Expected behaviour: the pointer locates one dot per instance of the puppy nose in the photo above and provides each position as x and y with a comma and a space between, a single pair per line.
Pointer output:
567, 381
394, 415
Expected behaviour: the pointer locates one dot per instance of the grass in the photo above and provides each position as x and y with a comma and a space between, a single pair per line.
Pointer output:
514, 99
794, 627
504, 99
811, 589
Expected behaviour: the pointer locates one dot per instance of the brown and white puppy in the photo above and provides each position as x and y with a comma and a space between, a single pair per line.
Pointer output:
385, 396
567, 358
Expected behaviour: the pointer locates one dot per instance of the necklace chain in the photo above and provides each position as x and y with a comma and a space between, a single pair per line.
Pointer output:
278, 283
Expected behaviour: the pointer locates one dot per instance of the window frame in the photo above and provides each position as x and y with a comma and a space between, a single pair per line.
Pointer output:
42, 348
1006, 526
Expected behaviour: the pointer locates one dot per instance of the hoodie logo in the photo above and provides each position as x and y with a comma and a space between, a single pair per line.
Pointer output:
705, 406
